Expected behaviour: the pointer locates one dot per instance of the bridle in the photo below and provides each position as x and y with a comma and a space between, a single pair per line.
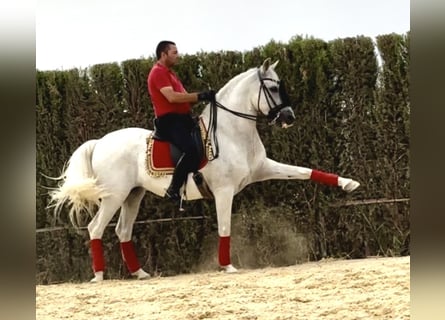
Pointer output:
273, 114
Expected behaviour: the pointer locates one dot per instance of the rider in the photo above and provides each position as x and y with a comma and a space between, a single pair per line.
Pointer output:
172, 108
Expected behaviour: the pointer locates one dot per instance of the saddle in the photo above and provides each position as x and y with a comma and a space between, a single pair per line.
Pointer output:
162, 156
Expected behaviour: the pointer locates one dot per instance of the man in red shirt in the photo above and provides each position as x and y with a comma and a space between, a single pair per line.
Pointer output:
172, 108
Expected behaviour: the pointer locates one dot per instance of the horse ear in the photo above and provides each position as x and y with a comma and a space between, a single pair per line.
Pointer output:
274, 64
266, 64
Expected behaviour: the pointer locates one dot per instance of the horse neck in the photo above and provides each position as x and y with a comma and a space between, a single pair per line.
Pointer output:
234, 96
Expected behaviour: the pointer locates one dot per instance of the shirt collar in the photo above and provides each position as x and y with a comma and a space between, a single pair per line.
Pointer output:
163, 66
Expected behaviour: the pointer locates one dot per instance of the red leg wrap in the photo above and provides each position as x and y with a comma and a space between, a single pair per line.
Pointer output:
97, 254
325, 178
224, 251
129, 256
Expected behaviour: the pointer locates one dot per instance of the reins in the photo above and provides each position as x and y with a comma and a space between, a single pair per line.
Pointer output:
213, 124
236, 113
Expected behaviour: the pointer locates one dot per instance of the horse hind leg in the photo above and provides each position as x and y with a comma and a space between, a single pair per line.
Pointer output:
124, 230
96, 228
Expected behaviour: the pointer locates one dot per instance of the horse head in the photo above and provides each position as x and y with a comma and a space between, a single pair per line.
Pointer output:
271, 97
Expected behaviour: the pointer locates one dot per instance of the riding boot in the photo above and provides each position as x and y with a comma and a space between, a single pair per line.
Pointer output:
179, 176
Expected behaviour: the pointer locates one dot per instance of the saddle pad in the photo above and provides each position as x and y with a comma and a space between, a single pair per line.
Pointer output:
159, 161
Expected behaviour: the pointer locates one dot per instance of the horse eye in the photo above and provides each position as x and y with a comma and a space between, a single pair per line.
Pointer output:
273, 89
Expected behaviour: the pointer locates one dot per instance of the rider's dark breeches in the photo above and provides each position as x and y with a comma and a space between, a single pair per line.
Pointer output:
176, 128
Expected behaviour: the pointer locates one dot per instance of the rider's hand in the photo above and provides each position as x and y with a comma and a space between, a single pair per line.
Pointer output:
207, 96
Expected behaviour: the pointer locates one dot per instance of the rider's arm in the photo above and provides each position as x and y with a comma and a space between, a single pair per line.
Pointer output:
178, 97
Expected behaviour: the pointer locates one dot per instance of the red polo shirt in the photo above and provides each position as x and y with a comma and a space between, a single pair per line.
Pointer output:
160, 77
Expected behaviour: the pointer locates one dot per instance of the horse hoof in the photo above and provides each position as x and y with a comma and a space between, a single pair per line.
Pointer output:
229, 269
141, 274
351, 186
98, 277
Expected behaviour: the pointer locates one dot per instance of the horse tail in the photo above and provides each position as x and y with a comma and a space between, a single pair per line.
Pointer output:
78, 187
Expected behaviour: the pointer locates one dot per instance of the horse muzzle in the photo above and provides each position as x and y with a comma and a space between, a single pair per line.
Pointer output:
286, 117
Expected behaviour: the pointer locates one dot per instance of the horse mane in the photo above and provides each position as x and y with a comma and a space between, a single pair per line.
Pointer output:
234, 81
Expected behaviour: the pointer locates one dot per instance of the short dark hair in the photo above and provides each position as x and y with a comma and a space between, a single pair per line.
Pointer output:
163, 46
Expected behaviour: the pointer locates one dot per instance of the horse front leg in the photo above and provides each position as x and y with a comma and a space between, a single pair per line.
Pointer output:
223, 203
271, 169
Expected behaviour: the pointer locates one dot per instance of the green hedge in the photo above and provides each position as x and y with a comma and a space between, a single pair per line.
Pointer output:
352, 119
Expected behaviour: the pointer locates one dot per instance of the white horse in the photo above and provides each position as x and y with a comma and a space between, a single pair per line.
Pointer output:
111, 172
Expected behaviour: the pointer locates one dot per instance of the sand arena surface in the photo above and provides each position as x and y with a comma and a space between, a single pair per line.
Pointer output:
373, 288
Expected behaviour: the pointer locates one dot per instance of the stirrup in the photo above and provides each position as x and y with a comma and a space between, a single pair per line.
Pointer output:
172, 195
181, 200
176, 197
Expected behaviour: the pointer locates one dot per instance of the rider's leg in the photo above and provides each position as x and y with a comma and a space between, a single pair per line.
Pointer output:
179, 176
181, 137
